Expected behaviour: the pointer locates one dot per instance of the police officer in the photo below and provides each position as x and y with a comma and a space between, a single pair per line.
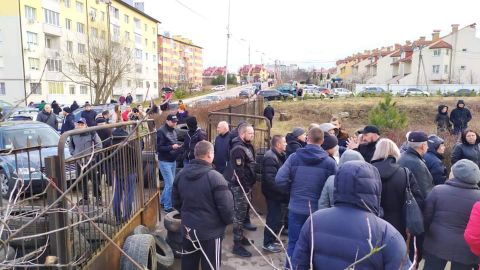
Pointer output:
242, 157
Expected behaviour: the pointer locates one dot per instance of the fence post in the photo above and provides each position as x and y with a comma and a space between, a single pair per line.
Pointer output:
139, 165
230, 117
59, 244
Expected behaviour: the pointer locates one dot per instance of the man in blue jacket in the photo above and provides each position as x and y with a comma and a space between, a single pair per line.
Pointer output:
434, 159
343, 234
68, 120
222, 147
303, 175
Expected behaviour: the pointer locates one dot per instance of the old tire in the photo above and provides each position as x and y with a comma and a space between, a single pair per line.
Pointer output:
8, 253
141, 248
92, 211
140, 229
172, 221
92, 234
165, 257
81, 246
20, 216
174, 240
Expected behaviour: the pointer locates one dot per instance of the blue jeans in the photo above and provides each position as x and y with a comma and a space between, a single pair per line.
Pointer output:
167, 169
124, 192
295, 223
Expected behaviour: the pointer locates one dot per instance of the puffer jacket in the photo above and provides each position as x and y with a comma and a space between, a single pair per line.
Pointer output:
472, 232
442, 120
436, 167
465, 150
446, 214
242, 164
340, 232
460, 116
394, 183
303, 175
221, 148
202, 196
415, 163
293, 144
271, 163
90, 117
48, 118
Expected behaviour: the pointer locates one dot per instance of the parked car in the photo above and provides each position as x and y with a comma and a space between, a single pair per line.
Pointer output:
26, 164
273, 95
258, 86
342, 92
287, 89
246, 93
310, 87
98, 109
413, 92
218, 88
207, 101
460, 93
6, 108
372, 91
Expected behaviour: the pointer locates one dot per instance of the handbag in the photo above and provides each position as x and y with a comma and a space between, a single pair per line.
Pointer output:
413, 214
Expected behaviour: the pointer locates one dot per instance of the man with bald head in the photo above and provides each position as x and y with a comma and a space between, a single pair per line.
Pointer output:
48, 117
221, 147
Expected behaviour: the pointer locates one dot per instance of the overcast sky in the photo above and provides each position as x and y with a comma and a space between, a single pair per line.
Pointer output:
306, 32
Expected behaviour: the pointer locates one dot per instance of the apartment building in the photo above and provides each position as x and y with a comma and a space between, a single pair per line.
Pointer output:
52, 50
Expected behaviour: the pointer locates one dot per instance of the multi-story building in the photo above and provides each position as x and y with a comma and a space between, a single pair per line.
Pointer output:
180, 62
52, 49
253, 73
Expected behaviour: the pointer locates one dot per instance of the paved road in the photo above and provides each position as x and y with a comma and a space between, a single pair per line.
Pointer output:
231, 92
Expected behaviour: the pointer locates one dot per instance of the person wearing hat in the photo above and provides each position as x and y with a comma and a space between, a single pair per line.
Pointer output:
460, 116
370, 137
194, 135
81, 145
434, 159
168, 149
68, 120
329, 128
295, 140
330, 143
89, 115
446, 212
269, 113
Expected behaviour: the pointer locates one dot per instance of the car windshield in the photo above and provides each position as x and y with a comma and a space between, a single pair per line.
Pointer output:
5, 104
28, 137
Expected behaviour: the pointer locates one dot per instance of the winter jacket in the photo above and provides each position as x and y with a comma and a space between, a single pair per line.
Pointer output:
394, 183
202, 196
89, 117
81, 144
468, 151
68, 123
166, 137
472, 232
434, 162
404, 147
303, 175
106, 137
367, 150
415, 163
446, 213
326, 198
342, 137
242, 164
460, 116
121, 100
221, 149
129, 99
48, 118
191, 139
182, 117
125, 115
442, 120
56, 108
340, 233
74, 106
269, 112
293, 144
272, 161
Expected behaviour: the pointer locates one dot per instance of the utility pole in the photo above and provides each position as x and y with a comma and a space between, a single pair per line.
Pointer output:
109, 3
420, 59
228, 43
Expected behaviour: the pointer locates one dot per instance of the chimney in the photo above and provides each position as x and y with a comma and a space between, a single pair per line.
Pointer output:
397, 46
435, 35
455, 27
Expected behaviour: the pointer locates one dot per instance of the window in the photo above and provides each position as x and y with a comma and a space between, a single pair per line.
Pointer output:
32, 38
138, 39
69, 46
145, 27
36, 88
138, 68
83, 90
48, 42
146, 56
55, 88
146, 42
127, 35
2, 63
129, 83
126, 18
436, 69
30, 13
67, 3
138, 53
154, 85
139, 84
114, 12
51, 17
447, 51
116, 33
102, 34
81, 48
464, 50
102, 16
94, 32
137, 23
82, 69
54, 65
2, 88
80, 28
153, 58
71, 89
93, 14
153, 30
154, 45
79, 7
437, 52
68, 24
445, 69
34, 63
463, 67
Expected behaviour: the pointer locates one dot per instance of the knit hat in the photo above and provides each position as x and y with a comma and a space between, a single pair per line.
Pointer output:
67, 109
191, 123
350, 155
466, 171
298, 131
329, 141
434, 142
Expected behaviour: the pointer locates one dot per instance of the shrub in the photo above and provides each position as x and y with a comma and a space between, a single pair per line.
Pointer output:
439, 93
180, 93
387, 116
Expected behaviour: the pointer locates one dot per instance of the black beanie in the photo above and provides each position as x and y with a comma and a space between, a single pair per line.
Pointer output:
329, 142
191, 123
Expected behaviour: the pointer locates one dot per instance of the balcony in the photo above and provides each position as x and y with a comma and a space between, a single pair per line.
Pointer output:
52, 30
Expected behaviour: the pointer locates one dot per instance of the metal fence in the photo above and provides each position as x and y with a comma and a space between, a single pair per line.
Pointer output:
77, 201
253, 106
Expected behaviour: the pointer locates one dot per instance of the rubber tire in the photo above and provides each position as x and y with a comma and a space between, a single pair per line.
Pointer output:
140, 229
80, 242
2, 175
39, 226
171, 223
141, 248
92, 234
92, 211
174, 240
165, 257
9, 254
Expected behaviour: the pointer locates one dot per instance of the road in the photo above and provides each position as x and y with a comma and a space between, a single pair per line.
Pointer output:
231, 92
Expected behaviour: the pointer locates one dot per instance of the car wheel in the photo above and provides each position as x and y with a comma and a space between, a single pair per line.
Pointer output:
5, 185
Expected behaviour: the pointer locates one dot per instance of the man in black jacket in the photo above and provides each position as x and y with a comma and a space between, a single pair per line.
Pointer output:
48, 117
269, 112
272, 161
129, 99
194, 135
222, 147
89, 115
242, 159
295, 140
68, 120
168, 149
206, 207
370, 137
460, 116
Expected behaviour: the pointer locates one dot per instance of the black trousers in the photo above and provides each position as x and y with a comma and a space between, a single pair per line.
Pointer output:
274, 221
213, 250
433, 262
95, 177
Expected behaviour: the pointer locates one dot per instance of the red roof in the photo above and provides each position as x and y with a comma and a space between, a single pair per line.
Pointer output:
397, 53
441, 44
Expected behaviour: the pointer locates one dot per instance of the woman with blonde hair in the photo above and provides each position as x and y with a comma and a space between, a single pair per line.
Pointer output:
394, 183
117, 114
